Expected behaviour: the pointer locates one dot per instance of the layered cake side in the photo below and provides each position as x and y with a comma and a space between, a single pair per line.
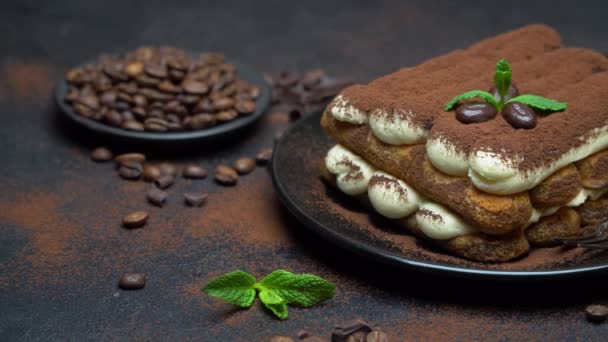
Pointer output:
481, 190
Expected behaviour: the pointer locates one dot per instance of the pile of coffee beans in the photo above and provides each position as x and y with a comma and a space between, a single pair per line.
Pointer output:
306, 93
353, 331
160, 90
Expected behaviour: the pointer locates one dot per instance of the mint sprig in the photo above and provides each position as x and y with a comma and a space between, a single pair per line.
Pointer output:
276, 290
502, 81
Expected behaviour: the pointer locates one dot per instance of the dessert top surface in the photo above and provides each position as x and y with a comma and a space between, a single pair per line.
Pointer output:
540, 66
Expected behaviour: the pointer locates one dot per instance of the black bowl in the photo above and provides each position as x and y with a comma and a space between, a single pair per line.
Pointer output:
295, 172
114, 135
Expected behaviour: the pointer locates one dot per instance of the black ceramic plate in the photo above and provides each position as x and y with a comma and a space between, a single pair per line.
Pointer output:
335, 216
217, 132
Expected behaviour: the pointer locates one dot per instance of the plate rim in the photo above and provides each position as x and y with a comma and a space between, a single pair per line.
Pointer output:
251, 75
403, 262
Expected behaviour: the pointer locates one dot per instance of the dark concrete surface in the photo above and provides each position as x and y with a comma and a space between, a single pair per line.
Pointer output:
62, 248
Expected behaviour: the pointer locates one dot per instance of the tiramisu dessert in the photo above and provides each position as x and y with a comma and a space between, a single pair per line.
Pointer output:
484, 151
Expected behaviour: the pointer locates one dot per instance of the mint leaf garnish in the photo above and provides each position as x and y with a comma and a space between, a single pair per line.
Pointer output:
234, 287
502, 82
299, 289
540, 102
502, 78
276, 290
489, 98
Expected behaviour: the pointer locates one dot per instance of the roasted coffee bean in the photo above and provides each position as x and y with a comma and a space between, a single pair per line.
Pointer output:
204, 106
172, 106
155, 70
140, 100
195, 87
121, 105
475, 113
264, 156
156, 196
519, 115
130, 157
83, 110
156, 113
376, 336
151, 173
132, 125
135, 219
281, 339
223, 103
188, 100
76, 76
134, 69
194, 172
225, 175
125, 97
288, 78
113, 118
157, 105
596, 313
128, 88
147, 81
71, 95
127, 115
244, 165
169, 87
139, 112
200, 121
511, 93
155, 95
177, 64
101, 154
132, 281
195, 199
168, 169
245, 107
102, 83
130, 170
114, 71
227, 115
108, 98
156, 125
89, 100
343, 331
164, 181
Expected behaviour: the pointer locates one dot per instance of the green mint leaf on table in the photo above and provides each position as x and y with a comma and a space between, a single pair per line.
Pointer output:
489, 98
234, 287
299, 289
276, 290
502, 79
540, 102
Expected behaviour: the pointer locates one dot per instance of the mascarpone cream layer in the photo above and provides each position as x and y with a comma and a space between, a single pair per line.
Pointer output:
395, 199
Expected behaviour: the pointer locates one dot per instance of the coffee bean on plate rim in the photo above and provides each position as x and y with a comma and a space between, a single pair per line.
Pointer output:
195, 199
194, 172
264, 156
135, 219
101, 154
225, 175
132, 281
244, 165
156, 196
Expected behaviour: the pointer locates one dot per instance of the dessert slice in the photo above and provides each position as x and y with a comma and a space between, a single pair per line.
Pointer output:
491, 177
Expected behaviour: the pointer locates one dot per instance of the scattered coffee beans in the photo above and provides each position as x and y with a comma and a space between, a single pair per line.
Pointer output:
244, 165
304, 94
151, 173
130, 170
130, 157
519, 115
101, 154
165, 181
354, 331
596, 313
194, 172
135, 219
193, 199
168, 169
475, 113
225, 175
264, 156
132, 281
343, 331
156, 196
160, 90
